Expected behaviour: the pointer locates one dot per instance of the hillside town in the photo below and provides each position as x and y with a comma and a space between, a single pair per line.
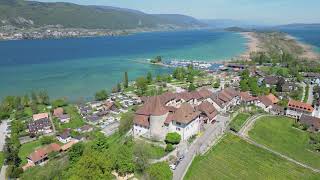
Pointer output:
179, 107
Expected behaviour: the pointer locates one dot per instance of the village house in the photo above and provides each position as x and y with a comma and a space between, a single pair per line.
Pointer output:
65, 136
247, 99
296, 109
173, 112
58, 112
267, 102
40, 124
41, 155
64, 118
313, 123
271, 81
84, 129
225, 99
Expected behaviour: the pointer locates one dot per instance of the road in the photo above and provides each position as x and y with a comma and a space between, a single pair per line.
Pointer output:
243, 134
3, 133
310, 97
303, 90
212, 133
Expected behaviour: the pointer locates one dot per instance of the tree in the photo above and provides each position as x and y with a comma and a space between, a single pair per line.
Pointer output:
149, 78
34, 97
142, 85
142, 154
157, 59
169, 148
159, 171
92, 165
179, 73
25, 100
191, 87
59, 103
126, 80
190, 78
216, 84
173, 138
14, 171
124, 160
76, 152
126, 122
101, 95
244, 85
44, 98
100, 143
46, 140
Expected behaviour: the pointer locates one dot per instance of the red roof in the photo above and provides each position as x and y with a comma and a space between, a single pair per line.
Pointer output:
186, 113
153, 107
42, 153
300, 106
245, 96
40, 116
58, 112
141, 120
273, 98
205, 93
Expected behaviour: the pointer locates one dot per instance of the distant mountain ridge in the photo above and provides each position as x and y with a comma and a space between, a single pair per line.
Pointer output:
20, 13
299, 25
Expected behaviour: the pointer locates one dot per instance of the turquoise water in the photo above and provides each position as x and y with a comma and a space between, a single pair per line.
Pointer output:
77, 68
309, 36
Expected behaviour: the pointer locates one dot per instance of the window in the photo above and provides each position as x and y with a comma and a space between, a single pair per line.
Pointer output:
178, 129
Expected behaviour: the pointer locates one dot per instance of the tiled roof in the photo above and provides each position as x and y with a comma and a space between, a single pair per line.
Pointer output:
40, 116
208, 109
141, 120
264, 100
300, 106
273, 98
245, 96
311, 121
186, 113
58, 112
205, 93
153, 106
42, 153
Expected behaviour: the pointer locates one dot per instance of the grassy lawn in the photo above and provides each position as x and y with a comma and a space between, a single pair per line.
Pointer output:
27, 149
1, 158
306, 94
233, 158
156, 152
76, 120
238, 121
278, 134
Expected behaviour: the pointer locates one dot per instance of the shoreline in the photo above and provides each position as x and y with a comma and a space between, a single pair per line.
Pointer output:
308, 50
252, 44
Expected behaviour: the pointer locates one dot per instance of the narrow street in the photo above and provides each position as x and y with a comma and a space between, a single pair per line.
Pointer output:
201, 145
310, 97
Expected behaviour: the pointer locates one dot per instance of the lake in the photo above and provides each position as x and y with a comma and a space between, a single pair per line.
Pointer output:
79, 67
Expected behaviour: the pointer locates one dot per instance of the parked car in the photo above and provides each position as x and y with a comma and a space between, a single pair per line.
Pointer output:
173, 166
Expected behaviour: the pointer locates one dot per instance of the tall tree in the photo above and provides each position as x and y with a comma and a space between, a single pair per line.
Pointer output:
126, 80
149, 78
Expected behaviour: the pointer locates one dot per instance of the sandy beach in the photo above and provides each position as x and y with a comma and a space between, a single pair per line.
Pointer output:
252, 44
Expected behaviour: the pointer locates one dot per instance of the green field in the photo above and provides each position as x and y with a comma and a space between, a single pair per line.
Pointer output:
1, 158
27, 148
233, 158
238, 121
278, 134
76, 120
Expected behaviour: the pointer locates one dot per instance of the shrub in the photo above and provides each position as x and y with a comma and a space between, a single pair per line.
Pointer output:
159, 171
173, 138
169, 148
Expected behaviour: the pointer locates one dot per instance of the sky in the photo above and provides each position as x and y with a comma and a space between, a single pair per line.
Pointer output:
260, 11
